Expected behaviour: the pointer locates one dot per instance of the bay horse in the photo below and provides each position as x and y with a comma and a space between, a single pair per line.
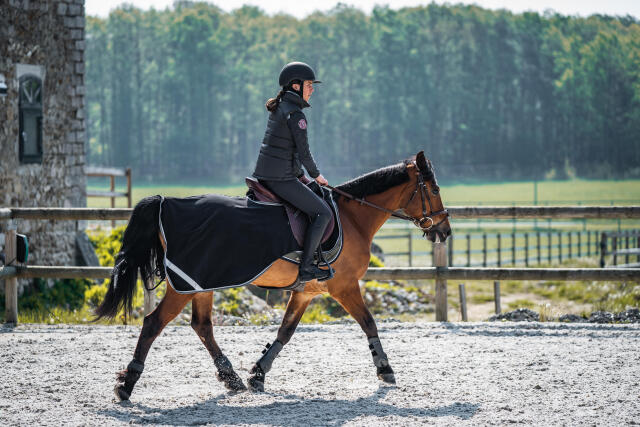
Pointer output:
408, 190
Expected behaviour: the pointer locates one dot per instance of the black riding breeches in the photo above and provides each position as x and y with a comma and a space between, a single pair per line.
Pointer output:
301, 196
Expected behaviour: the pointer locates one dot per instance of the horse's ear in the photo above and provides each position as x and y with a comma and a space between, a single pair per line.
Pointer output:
421, 161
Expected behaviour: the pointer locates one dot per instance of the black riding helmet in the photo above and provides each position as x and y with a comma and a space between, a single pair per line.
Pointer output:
296, 72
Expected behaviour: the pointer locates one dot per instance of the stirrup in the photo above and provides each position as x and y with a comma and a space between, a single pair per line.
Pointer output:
320, 275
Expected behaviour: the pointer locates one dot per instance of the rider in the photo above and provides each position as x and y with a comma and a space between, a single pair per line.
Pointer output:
283, 148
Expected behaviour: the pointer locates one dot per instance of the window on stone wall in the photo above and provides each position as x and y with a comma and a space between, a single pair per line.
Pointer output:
30, 106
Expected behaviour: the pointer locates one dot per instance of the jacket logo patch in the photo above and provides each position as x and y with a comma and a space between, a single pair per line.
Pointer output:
302, 124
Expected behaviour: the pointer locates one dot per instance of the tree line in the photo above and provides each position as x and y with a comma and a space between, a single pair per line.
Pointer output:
179, 94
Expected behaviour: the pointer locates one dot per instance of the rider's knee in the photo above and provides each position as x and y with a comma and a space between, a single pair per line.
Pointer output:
324, 215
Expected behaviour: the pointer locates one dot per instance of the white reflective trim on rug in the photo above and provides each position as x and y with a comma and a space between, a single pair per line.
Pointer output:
183, 275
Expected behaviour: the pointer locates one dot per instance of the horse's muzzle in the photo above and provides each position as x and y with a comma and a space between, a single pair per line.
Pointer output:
439, 232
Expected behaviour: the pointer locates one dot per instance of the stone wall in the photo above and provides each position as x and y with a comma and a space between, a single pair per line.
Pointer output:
48, 34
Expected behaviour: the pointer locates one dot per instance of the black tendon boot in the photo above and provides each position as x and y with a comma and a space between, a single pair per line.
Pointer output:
308, 271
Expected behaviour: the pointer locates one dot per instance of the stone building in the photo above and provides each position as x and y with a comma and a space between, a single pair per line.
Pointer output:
42, 120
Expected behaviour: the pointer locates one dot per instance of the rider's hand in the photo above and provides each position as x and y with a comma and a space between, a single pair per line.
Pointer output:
320, 180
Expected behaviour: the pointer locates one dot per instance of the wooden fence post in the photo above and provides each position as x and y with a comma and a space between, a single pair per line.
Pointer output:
560, 247
113, 199
484, 249
603, 248
499, 250
128, 174
496, 296
549, 247
588, 243
626, 246
614, 249
526, 249
440, 262
11, 284
538, 247
513, 249
410, 237
450, 248
569, 238
638, 246
463, 302
468, 250
579, 244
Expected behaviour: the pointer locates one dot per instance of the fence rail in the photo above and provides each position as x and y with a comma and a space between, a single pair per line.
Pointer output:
468, 212
522, 248
376, 273
441, 273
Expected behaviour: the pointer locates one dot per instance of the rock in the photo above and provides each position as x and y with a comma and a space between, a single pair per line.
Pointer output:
601, 317
631, 315
517, 315
572, 318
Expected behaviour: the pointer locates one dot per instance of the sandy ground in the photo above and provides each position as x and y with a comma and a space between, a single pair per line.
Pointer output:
447, 373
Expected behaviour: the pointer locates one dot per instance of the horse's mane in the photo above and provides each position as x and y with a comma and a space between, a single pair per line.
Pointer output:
382, 179
377, 181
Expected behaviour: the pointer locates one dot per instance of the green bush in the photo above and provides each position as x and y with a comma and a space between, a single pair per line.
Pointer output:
374, 261
64, 294
106, 244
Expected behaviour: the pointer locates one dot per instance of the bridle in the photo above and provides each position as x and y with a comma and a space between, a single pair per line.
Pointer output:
427, 217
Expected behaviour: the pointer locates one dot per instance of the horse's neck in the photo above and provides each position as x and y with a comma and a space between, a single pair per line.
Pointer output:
368, 220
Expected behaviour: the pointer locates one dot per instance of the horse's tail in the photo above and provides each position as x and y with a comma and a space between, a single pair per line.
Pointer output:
141, 249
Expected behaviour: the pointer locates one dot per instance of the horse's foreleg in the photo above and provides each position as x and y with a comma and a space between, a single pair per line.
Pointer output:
170, 306
352, 301
298, 303
202, 304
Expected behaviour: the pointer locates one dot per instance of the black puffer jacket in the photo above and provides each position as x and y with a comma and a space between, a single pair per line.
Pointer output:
285, 143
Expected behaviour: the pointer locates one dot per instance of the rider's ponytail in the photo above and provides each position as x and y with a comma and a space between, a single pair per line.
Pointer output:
273, 103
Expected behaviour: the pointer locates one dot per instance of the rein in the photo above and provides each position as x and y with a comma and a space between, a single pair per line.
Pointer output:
424, 196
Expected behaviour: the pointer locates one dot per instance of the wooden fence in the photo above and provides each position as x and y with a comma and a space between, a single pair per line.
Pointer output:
622, 245
523, 248
112, 173
441, 272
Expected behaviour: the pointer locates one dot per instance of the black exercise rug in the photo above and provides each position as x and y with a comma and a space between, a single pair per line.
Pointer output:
216, 241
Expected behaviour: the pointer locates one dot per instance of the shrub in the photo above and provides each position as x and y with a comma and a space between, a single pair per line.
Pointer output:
374, 261
66, 293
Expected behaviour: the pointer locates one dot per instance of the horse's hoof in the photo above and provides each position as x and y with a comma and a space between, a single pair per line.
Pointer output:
121, 393
387, 378
255, 385
231, 381
386, 375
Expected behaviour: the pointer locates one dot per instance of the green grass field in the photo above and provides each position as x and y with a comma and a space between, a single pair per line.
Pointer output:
585, 192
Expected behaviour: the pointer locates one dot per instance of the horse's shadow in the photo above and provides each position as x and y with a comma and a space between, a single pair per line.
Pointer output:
295, 411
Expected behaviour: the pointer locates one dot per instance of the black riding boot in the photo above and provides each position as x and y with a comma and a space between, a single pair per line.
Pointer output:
312, 238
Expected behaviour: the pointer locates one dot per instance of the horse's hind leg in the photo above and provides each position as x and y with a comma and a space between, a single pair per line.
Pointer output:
351, 299
201, 323
298, 303
170, 306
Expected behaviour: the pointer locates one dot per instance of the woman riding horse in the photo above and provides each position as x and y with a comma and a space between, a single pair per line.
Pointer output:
283, 148
407, 190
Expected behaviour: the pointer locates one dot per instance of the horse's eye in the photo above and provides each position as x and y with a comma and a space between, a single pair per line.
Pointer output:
435, 191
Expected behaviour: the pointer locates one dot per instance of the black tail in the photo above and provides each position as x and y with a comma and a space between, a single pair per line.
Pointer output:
141, 249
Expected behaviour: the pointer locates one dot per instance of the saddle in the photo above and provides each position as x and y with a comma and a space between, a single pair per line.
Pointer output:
298, 220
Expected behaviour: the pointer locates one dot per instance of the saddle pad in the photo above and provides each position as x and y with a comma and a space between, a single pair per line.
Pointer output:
215, 241
297, 219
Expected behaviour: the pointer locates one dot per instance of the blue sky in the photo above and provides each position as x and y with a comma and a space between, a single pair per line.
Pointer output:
302, 8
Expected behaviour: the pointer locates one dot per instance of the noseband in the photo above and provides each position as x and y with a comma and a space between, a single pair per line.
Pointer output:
427, 217
425, 198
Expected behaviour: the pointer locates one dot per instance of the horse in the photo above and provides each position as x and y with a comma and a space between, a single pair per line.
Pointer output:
407, 190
